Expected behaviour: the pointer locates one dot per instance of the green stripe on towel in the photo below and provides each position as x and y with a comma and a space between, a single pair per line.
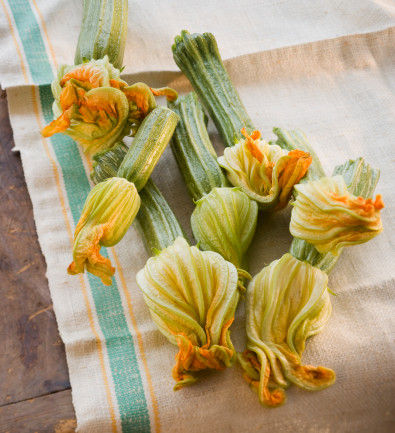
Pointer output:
119, 342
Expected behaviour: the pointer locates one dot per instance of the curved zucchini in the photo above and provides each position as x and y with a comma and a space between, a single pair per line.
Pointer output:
193, 150
361, 180
103, 31
198, 58
157, 221
148, 145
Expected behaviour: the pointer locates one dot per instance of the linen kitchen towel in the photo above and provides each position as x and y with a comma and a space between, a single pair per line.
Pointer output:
326, 67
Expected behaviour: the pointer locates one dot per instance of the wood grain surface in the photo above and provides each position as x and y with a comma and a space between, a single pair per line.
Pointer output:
33, 370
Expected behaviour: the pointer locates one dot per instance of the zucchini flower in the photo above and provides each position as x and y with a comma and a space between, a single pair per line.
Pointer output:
329, 217
110, 208
265, 172
225, 221
286, 303
112, 204
96, 108
192, 297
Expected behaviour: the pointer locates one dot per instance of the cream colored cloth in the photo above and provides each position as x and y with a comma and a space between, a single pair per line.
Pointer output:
240, 26
339, 89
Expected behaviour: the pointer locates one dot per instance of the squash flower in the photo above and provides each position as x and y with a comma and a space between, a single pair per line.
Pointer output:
192, 296
225, 221
329, 217
96, 108
286, 303
265, 172
110, 208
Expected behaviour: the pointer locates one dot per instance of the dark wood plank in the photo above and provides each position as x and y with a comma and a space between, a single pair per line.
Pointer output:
32, 358
52, 413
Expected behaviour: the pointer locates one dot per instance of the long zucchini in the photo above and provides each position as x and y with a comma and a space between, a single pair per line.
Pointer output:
198, 58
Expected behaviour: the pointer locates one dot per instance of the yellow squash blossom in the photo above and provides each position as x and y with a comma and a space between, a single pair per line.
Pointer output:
265, 172
225, 221
96, 108
192, 297
286, 303
110, 208
329, 217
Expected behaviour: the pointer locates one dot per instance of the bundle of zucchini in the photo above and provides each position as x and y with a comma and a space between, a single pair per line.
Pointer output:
193, 292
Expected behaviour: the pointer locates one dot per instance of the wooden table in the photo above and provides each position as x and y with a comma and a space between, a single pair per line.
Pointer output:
35, 391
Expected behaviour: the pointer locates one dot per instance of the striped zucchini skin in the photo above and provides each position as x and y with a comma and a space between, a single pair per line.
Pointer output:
157, 222
148, 145
198, 58
103, 31
106, 163
193, 150
361, 180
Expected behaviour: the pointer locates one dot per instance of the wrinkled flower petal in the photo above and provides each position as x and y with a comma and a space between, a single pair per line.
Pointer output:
265, 172
192, 297
286, 303
326, 215
224, 221
95, 107
109, 209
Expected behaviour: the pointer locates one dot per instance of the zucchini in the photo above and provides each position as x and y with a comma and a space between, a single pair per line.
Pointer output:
224, 219
198, 58
361, 180
157, 222
103, 31
148, 145
106, 163
193, 150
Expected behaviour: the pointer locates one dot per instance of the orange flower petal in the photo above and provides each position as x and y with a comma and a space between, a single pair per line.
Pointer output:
251, 144
171, 94
85, 73
57, 125
294, 170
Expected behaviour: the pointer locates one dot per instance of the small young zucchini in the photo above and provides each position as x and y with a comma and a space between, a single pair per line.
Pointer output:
224, 219
148, 145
